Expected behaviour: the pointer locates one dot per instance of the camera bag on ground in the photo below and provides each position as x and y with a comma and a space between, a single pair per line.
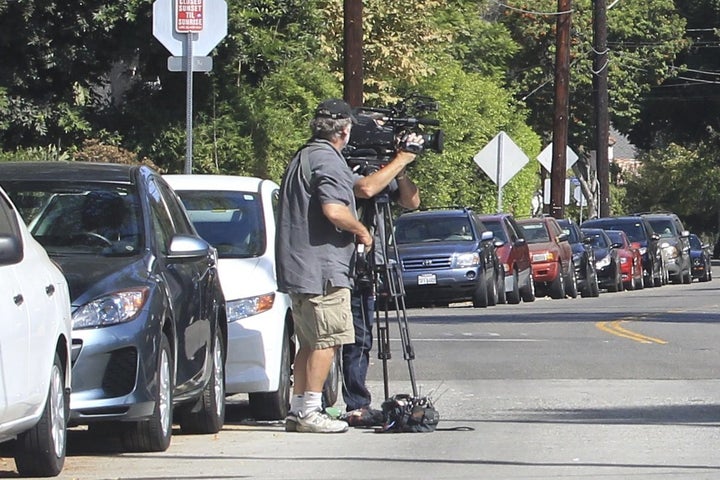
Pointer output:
405, 413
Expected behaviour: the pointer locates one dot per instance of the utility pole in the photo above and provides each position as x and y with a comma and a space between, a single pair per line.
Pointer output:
600, 87
352, 53
560, 120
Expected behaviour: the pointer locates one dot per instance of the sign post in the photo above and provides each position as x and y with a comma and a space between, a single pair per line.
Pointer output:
188, 28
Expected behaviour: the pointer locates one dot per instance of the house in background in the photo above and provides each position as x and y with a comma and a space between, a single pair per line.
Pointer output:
622, 154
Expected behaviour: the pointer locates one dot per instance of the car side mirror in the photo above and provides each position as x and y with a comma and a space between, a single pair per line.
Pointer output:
487, 235
685, 233
187, 248
587, 240
11, 250
616, 245
655, 236
562, 237
520, 241
498, 243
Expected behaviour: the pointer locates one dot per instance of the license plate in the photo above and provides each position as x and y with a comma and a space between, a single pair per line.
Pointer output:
427, 279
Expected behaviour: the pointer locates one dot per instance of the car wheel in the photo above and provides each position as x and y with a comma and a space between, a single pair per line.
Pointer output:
40, 451
571, 284
331, 389
557, 287
492, 290
207, 414
687, 277
501, 294
275, 405
154, 434
513, 296
480, 297
528, 291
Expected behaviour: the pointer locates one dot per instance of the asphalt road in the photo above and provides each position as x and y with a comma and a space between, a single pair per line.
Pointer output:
623, 386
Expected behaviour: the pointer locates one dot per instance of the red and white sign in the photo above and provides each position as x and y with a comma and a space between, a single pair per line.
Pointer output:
189, 15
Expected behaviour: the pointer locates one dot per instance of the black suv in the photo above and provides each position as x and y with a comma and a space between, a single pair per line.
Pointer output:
640, 233
675, 244
448, 255
583, 258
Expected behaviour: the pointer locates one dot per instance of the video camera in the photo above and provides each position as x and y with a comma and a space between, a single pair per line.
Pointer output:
380, 132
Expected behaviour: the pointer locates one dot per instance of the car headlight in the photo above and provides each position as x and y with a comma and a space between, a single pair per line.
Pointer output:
603, 262
543, 257
462, 260
247, 307
118, 307
670, 251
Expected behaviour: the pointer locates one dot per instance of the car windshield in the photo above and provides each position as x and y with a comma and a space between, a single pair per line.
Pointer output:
633, 230
230, 221
433, 229
495, 227
695, 243
597, 240
571, 233
663, 227
536, 232
81, 218
615, 236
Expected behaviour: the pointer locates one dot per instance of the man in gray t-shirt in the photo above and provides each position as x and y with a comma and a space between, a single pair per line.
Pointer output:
315, 241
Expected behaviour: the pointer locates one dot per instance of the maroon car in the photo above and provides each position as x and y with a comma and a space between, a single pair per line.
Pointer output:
514, 254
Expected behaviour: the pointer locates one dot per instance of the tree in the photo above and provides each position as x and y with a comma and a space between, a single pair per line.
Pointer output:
644, 38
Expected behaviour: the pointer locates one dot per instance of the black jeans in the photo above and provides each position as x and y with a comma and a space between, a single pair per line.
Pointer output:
356, 356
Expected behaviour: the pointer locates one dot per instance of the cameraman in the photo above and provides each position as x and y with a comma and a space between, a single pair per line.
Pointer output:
315, 242
393, 179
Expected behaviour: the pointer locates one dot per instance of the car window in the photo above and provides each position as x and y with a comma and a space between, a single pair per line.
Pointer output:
496, 227
598, 241
695, 243
230, 221
663, 227
572, 234
81, 218
536, 232
8, 220
433, 229
615, 236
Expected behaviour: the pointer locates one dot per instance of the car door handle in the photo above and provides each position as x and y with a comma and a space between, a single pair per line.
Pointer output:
18, 299
50, 290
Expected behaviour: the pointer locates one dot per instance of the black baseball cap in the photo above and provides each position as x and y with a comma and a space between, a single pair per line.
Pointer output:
335, 108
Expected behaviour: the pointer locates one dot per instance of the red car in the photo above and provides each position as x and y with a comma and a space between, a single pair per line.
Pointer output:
631, 268
514, 254
551, 255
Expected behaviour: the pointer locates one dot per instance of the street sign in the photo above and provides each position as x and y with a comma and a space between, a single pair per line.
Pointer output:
545, 158
501, 159
212, 26
189, 16
199, 64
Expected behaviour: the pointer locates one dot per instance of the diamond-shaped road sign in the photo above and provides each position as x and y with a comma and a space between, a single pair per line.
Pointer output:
214, 27
503, 156
545, 158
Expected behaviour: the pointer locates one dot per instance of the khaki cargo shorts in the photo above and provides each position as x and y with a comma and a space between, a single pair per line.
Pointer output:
323, 321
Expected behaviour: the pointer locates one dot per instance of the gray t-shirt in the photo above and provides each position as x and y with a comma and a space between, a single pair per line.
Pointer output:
310, 252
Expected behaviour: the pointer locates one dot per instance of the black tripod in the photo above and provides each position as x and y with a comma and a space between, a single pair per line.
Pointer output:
386, 283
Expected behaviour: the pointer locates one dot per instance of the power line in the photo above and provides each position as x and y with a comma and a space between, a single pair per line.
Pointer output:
549, 14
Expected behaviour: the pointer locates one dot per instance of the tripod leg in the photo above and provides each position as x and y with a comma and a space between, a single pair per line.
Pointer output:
383, 341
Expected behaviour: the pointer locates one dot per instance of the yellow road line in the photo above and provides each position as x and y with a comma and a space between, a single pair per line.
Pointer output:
614, 328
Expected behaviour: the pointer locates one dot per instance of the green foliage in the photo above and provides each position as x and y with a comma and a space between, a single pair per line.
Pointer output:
473, 110
690, 180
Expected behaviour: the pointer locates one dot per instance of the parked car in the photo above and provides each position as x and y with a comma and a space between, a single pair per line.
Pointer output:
583, 258
642, 235
149, 328
607, 259
674, 244
447, 255
631, 269
236, 215
35, 336
551, 254
514, 254
701, 259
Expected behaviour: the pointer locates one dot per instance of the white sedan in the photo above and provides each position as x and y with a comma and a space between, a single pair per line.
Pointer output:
35, 340
237, 216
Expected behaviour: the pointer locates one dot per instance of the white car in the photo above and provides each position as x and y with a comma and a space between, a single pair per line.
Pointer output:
35, 343
237, 216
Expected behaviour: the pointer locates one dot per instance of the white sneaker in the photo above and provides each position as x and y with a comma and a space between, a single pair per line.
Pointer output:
319, 422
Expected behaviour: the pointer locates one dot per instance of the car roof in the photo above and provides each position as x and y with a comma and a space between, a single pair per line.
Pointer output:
216, 182
65, 171
445, 212
494, 216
